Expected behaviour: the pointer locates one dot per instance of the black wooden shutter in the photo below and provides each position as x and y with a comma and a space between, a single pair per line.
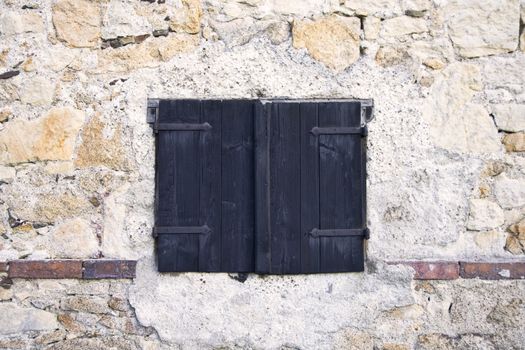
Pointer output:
269, 187
310, 187
205, 186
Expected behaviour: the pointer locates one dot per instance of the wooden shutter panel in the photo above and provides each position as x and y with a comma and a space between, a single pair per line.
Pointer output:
310, 187
205, 186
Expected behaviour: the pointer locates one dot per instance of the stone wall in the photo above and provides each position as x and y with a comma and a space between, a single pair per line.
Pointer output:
446, 169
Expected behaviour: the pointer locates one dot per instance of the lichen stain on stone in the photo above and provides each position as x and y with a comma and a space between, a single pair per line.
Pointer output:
98, 150
51, 137
332, 40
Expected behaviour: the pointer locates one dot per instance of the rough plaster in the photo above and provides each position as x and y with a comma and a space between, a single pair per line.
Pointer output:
427, 156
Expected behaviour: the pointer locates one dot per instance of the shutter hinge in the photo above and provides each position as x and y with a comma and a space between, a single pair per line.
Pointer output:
367, 111
366, 233
153, 110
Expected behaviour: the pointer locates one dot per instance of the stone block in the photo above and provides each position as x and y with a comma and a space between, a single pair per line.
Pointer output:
332, 40
481, 28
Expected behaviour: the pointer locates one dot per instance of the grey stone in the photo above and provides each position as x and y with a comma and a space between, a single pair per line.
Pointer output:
484, 215
510, 193
16, 319
509, 117
483, 28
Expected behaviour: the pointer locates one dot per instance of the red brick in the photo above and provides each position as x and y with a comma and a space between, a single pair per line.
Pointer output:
97, 269
3, 266
493, 271
433, 270
45, 269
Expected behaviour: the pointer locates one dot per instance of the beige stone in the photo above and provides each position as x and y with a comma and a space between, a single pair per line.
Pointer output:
510, 193
522, 41
120, 19
415, 5
77, 22
38, 91
484, 215
58, 57
239, 31
5, 114
518, 229
353, 339
509, 117
516, 239
86, 303
51, 137
514, 142
514, 245
188, 18
28, 65
371, 27
402, 25
115, 242
387, 56
50, 208
21, 319
378, 8
296, 7
331, 40
99, 150
150, 53
5, 294
278, 32
434, 63
455, 122
233, 10
494, 168
396, 346
99, 343
7, 174
480, 28
73, 239
12, 23
508, 314
59, 167
487, 240
437, 49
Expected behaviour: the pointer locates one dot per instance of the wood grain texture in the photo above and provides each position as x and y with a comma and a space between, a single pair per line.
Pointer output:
261, 180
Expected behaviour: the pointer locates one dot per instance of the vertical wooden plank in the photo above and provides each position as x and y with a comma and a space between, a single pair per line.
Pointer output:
238, 219
310, 254
285, 188
340, 186
210, 190
262, 188
181, 205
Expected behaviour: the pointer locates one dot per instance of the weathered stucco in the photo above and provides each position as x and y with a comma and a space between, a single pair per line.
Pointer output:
446, 167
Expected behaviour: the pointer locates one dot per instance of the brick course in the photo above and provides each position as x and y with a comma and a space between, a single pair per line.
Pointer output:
119, 269
493, 271
45, 269
96, 269
436, 270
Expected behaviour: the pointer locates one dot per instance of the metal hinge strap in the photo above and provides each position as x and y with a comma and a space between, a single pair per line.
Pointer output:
347, 232
182, 126
339, 130
180, 230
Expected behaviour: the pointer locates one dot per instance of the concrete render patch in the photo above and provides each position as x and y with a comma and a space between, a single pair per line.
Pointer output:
200, 310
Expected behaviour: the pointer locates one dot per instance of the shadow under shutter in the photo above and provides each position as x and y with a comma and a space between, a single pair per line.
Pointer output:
204, 185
